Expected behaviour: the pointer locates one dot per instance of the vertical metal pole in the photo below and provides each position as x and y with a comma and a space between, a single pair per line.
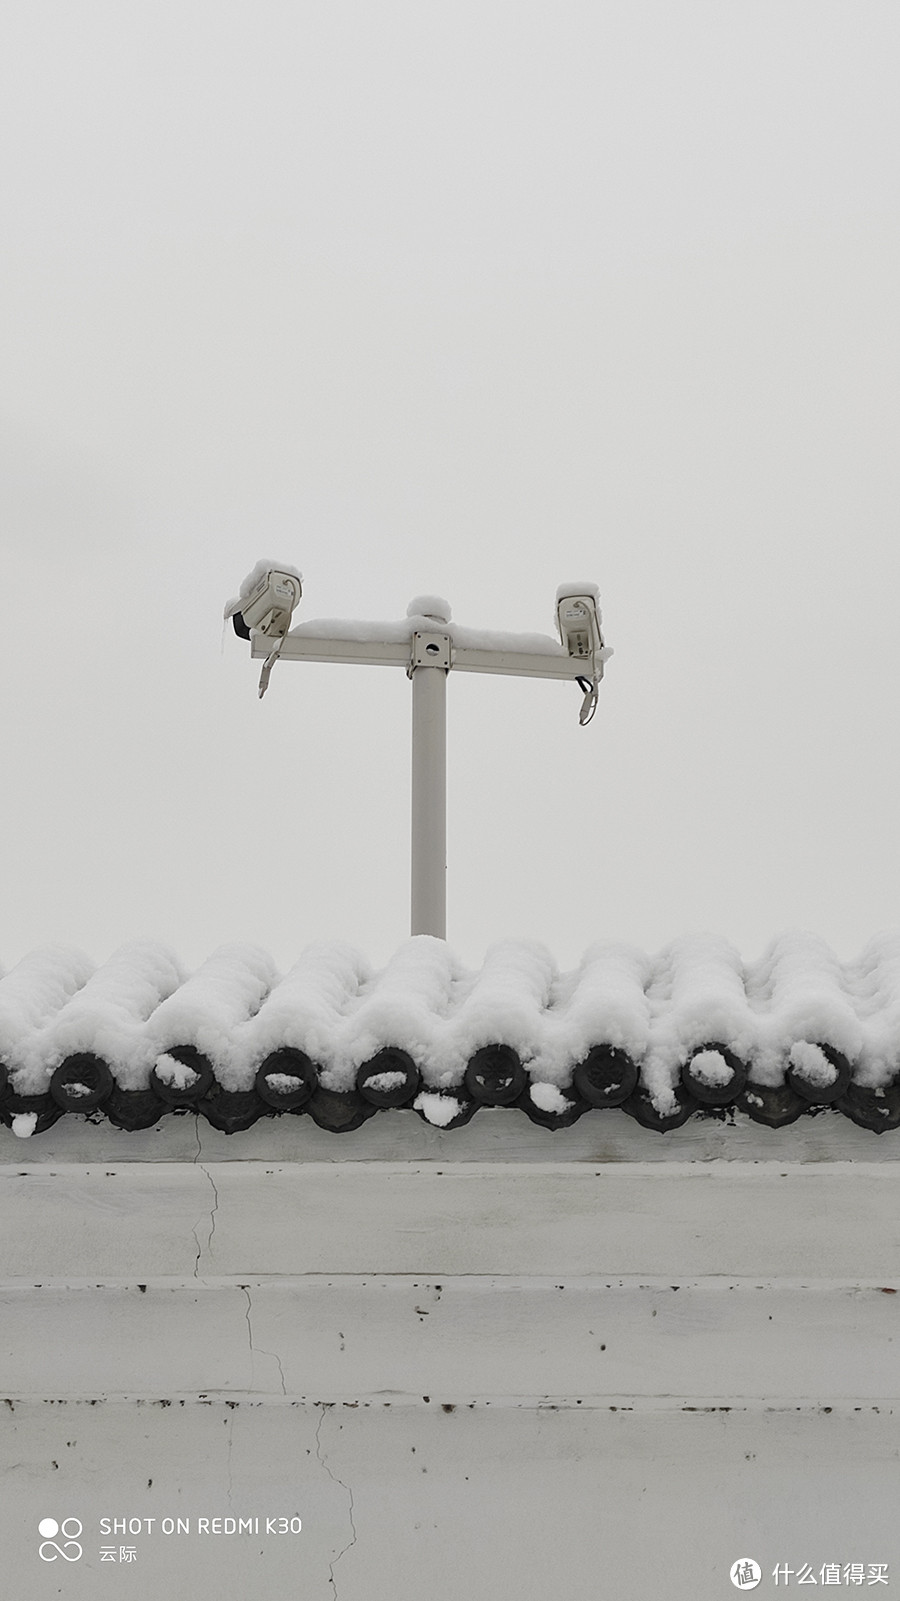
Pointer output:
429, 802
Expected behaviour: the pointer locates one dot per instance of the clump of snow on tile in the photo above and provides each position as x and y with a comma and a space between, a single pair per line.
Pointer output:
798, 993
310, 1009
106, 1015
549, 1098
812, 1063
503, 1004
437, 1109
209, 1007
660, 1067
31, 995
601, 1002
404, 1005
711, 1068
177, 1074
696, 997
874, 981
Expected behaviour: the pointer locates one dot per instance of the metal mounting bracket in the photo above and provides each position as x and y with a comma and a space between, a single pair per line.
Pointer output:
430, 650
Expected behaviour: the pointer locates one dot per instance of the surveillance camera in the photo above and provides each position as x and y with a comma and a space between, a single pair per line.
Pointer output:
268, 606
578, 620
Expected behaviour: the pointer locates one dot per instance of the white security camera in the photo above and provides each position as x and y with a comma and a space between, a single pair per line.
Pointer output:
578, 620
269, 604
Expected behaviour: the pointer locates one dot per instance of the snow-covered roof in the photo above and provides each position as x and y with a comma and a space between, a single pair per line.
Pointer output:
690, 1030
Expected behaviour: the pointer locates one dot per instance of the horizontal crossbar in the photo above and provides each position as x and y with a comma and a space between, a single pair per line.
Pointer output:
396, 653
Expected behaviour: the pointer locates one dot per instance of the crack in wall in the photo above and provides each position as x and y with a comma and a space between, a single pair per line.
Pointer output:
326, 1406
230, 1490
214, 1209
257, 1350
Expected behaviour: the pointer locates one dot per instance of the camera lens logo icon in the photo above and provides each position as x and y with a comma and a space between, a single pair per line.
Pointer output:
70, 1529
745, 1574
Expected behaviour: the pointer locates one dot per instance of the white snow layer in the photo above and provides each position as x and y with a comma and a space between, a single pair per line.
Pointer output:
693, 996
400, 632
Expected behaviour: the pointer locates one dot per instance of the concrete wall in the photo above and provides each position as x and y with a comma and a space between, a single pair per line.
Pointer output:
597, 1363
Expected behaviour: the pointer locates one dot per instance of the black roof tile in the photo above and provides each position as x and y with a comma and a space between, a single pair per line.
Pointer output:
683, 1034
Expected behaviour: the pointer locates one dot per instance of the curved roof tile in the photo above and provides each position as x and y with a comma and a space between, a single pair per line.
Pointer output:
684, 1032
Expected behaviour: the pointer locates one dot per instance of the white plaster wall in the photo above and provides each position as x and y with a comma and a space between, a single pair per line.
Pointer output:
401, 1503
609, 1373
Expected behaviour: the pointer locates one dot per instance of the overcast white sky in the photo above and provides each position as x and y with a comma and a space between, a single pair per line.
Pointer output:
466, 298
